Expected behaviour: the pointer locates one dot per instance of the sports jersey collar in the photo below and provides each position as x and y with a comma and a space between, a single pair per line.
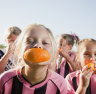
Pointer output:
27, 84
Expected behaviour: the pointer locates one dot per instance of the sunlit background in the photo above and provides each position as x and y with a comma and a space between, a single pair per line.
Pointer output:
61, 16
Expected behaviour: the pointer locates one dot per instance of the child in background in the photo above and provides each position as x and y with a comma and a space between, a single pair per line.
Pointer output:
34, 76
66, 58
6, 57
84, 81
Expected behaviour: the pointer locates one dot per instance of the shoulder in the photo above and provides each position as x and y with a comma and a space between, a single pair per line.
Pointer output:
59, 81
69, 80
93, 78
7, 75
55, 76
70, 76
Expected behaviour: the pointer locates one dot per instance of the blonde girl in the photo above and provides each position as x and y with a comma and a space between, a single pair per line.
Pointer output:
84, 81
7, 60
34, 76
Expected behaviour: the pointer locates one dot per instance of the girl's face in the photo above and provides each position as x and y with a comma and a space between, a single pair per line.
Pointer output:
38, 38
11, 38
64, 45
88, 51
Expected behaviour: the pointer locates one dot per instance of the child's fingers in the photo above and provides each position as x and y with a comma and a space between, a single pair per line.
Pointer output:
87, 71
89, 74
84, 68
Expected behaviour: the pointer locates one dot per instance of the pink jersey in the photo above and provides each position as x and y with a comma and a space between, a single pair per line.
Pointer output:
12, 82
64, 68
73, 85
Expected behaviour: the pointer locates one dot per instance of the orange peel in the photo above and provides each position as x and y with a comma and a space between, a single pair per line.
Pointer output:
59, 50
88, 61
91, 65
36, 55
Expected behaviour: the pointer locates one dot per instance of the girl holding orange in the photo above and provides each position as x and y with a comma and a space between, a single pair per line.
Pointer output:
84, 81
66, 57
36, 49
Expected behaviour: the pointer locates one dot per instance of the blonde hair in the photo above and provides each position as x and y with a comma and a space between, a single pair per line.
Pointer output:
13, 30
84, 41
32, 27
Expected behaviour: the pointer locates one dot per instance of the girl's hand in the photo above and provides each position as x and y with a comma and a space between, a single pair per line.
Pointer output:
78, 66
85, 76
10, 48
66, 49
63, 53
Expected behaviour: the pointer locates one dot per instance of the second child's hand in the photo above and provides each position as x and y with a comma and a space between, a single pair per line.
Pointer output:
85, 76
84, 80
10, 48
73, 64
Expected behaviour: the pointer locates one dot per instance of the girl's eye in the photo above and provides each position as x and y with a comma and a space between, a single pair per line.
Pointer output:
30, 41
45, 43
86, 54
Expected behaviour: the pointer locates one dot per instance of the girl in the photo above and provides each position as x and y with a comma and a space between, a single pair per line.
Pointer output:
34, 75
6, 57
84, 81
66, 58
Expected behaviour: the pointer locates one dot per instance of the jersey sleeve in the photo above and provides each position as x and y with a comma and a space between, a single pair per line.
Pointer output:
70, 89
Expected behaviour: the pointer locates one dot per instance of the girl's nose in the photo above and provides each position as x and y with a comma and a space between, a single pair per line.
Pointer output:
93, 58
38, 45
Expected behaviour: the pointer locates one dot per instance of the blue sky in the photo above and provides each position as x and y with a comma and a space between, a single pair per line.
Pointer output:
61, 16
